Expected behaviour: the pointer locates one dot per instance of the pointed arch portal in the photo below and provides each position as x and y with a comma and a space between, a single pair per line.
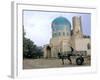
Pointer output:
48, 49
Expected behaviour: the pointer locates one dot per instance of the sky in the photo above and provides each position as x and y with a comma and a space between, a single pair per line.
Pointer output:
37, 24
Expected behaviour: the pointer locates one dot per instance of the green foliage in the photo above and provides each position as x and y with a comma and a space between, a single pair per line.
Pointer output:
30, 50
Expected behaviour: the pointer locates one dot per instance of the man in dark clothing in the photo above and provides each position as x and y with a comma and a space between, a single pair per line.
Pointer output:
62, 57
72, 49
59, 55
69, 55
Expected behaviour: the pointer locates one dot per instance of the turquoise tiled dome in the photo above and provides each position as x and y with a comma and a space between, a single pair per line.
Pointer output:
60, 23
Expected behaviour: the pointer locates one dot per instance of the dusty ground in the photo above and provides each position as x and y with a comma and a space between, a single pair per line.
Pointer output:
50, 63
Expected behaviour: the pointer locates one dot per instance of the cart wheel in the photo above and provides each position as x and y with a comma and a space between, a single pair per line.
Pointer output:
79, 60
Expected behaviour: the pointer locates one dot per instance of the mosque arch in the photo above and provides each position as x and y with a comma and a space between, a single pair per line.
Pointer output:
48, 49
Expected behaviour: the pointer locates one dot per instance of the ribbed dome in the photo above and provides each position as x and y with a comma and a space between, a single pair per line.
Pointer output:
60, 23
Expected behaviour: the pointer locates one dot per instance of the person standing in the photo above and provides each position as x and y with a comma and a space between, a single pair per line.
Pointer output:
70, 54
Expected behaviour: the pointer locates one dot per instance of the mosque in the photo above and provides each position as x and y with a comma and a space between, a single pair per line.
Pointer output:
65, 35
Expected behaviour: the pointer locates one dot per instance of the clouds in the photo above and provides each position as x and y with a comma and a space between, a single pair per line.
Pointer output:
37, 24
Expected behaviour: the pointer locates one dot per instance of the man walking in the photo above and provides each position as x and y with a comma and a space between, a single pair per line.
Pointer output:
70, 54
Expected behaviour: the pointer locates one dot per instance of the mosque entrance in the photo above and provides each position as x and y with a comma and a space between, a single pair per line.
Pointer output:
48, 49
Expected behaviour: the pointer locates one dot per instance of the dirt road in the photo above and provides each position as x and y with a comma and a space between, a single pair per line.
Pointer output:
50, 63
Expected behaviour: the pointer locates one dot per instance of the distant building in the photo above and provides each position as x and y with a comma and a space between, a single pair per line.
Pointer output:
63, 38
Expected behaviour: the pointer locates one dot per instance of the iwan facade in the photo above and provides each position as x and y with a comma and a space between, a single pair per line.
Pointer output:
64, 37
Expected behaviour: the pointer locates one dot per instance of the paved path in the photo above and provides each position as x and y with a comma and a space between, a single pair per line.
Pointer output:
49, 63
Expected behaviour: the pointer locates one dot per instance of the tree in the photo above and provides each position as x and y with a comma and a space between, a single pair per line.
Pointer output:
30, 50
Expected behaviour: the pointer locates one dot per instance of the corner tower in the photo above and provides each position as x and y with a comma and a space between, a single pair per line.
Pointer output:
77, 27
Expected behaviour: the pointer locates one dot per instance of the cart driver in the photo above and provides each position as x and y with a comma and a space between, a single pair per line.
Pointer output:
69, 55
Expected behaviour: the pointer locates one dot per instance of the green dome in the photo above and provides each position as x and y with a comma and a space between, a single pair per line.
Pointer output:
60, 23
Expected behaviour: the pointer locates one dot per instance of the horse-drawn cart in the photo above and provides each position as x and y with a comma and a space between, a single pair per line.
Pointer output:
78, 55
